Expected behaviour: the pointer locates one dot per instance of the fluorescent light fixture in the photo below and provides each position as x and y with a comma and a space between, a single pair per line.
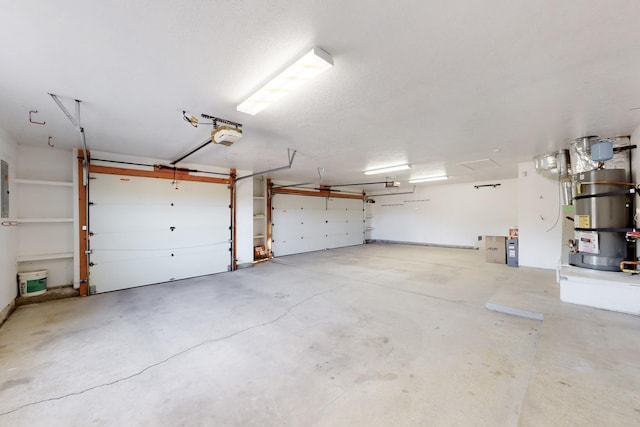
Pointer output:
428, 179
304, 69
389, 169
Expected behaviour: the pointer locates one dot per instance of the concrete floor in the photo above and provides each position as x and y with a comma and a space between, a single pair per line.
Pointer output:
377, 335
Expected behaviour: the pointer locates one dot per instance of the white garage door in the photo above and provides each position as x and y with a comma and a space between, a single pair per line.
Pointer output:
144, 230
308, 223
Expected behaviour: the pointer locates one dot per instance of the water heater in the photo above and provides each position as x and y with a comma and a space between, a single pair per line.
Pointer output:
602, 217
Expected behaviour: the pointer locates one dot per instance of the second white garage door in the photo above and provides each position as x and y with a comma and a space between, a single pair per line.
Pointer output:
308, 223
144, 230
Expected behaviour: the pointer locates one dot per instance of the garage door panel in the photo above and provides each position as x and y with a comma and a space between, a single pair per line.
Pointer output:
145, 231
282, 247
298, 245
292, 202
336, 226
191, 192
198, 215
298, 241
337, 240
131, 240
198, 238
343, 203
139, 269
354, 238
112, 217
348, 230
289, 233
316, 243
347, 239
291, 224
354, 216
126, 190
192, 262
307, 223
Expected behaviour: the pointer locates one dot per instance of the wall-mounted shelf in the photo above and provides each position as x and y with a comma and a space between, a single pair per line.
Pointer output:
42, 220
260, 246
44, 257
45, 212
369, 213
43, 182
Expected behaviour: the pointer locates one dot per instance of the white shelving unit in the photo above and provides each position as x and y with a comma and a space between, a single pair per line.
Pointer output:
45, 214
259, 218
368, 220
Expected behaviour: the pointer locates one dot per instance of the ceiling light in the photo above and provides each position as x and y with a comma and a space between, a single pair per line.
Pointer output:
431, 178
389, 169
304, 69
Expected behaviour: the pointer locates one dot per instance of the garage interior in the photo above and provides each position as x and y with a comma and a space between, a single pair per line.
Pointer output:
428, 219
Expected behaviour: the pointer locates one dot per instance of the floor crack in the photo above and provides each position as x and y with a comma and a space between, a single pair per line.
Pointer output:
180, 353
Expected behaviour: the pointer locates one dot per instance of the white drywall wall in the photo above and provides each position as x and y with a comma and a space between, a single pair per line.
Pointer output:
538, 208
9, 235
449, 214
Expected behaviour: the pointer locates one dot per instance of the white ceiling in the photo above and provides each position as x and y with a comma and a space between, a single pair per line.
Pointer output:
432, 83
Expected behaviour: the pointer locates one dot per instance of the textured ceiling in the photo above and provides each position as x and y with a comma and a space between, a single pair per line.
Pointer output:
432, 83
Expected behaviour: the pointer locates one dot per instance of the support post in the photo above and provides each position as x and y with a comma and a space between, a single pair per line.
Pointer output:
83, 224
232, 186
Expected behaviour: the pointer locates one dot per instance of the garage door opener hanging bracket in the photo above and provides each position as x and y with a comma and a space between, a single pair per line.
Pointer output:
85, 169
290, 153
76, 123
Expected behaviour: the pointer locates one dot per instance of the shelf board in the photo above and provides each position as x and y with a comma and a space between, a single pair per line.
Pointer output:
43, 182
42, 220
258, 217
43, 257
258, 197
259, 236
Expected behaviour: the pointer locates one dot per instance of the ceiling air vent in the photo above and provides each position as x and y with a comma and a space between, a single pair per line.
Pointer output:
482, 164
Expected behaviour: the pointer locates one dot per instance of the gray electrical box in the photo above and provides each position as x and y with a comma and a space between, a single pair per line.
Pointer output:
512, 252
4, 189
